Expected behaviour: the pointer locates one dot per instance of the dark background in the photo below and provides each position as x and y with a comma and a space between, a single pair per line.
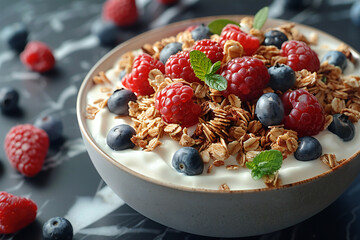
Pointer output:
68, 177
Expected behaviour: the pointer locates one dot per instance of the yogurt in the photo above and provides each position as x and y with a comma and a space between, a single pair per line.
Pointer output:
157, 163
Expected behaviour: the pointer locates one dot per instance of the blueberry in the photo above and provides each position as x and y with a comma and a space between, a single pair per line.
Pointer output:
309, 148
355, 13
107, 32
118, 101
51, 125
9, 99
57, 228
119, 137
188, 160
342, 127
282, 77
269, 109
335, 58
275, 37
297, 4
200, 32
16, 36
122, 74
168, 50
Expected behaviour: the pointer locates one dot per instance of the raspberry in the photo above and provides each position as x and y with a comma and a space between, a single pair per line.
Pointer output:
176, 106
178, 66
246, 76
121, 12
233, 32
26, 147
212, 49
15, 212
137, 79
38, 57
300, 56
303, 113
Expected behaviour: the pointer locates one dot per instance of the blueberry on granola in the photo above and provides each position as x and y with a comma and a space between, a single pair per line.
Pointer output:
51, 125
336, 58
200, 32
168, 50
274, 37
118, 138
9, 99
269, 109
188, 160
342, 127
57, 228
309, 148
282, 77
119, 100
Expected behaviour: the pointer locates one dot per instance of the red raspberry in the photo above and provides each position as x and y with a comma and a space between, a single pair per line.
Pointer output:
15, 212
212, 49
121, 12
191, 27
246, 76
303, 113
137, 80
178, 66
300, 56
233, 32
38, 57
176, 105
26, 147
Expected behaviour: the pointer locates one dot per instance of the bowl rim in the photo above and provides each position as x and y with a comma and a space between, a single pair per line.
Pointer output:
87, 135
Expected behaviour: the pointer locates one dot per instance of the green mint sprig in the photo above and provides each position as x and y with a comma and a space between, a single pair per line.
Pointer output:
206, 71
260, 18
265, 163
217, 25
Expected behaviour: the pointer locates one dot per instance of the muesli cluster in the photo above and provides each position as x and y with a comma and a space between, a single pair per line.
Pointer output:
233, 90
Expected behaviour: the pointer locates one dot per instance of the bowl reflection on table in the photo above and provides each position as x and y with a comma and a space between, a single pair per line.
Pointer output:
211, 212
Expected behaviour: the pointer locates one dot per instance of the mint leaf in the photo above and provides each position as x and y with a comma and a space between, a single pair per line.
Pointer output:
205, 70
265, 163
217, 25
216, 81
216, 66
200, 63
260, 18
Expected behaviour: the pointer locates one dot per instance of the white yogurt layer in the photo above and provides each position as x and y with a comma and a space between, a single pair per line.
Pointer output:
157, 164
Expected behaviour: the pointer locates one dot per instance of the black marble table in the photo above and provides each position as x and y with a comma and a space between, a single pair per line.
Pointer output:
69, 185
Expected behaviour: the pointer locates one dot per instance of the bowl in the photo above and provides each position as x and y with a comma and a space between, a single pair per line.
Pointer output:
211, 212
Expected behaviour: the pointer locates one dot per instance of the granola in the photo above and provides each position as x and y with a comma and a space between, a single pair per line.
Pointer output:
228, 126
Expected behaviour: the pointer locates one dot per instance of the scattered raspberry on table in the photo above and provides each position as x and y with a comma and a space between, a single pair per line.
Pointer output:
300, 56
137, 79
38, 57
121, 12
15, 212
26, 147
176, 105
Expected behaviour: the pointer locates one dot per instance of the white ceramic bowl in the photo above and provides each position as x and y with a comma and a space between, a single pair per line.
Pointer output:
210, 212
